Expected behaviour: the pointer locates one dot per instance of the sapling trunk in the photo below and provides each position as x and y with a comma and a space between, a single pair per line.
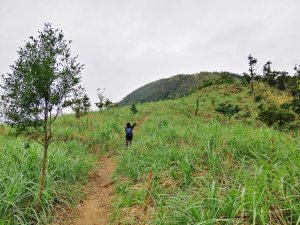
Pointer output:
43, 175
45, 145
197, 106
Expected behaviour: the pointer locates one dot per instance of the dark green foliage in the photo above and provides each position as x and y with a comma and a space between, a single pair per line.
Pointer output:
246, 79
258, 98
228, 109
107, 103
41, 82
260, 107
296, 82
207, 83
133, 108
226, 78
285, 106
86, 103
276, 116
268, 75
177, 86
282, 79
296, 106
247, 114
279, 79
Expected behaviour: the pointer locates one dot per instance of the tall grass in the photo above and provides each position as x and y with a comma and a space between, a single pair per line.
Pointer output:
211, 170
206, 169
78, 145
20, 173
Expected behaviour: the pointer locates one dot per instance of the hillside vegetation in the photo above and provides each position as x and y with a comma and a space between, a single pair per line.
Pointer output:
174, 87
207, 169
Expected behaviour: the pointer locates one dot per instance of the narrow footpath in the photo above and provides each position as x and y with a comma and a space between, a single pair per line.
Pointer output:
96, 207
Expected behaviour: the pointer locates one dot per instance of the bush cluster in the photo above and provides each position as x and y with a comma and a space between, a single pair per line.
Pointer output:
278, 117
228, 109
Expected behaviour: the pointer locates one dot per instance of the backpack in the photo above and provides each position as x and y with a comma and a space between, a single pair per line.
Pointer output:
128, 131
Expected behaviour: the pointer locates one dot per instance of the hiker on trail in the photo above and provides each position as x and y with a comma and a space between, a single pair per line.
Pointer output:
129, 134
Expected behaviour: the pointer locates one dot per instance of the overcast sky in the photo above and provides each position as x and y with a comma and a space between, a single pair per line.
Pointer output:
126, 44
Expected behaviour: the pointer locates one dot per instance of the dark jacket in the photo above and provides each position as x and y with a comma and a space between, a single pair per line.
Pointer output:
130, 136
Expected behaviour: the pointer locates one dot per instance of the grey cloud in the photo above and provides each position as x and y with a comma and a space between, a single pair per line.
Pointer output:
125, 44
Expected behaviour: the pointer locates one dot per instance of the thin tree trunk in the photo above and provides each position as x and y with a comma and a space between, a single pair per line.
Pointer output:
43, 175
252, 89
197, 106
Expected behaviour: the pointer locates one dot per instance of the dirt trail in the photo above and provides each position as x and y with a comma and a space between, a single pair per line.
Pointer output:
96, 207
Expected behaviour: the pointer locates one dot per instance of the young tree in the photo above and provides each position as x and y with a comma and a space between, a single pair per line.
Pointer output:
282, 78
133, 108
77, 104
246, 78
86, 103
252, 62
101, 98
297, 79
268, 75
41, 84
107, 103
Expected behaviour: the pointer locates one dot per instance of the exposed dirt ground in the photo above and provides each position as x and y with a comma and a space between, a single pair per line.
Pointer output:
96, 207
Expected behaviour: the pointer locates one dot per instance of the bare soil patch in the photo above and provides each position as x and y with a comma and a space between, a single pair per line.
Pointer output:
96, 207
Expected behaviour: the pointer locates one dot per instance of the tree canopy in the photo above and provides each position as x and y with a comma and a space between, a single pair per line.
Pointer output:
41, 82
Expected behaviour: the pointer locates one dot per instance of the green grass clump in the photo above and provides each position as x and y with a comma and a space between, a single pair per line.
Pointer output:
20, 167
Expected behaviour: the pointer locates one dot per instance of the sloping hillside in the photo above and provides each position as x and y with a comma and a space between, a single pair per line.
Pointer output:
209, 168
206, 168
174, 87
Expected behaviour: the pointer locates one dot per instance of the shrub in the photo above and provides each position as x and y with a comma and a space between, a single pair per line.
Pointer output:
133, 108
296, 106
276, 116
228, 109
258, 98
260, 107
247, 114
226, 79
285, 106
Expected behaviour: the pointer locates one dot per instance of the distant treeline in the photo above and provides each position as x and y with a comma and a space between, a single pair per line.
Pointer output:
281, 80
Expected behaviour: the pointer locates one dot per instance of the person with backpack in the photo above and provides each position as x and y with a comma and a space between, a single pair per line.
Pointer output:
129, 133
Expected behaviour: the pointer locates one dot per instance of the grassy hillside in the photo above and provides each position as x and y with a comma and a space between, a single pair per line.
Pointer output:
174, 87
207, 169
72, 156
